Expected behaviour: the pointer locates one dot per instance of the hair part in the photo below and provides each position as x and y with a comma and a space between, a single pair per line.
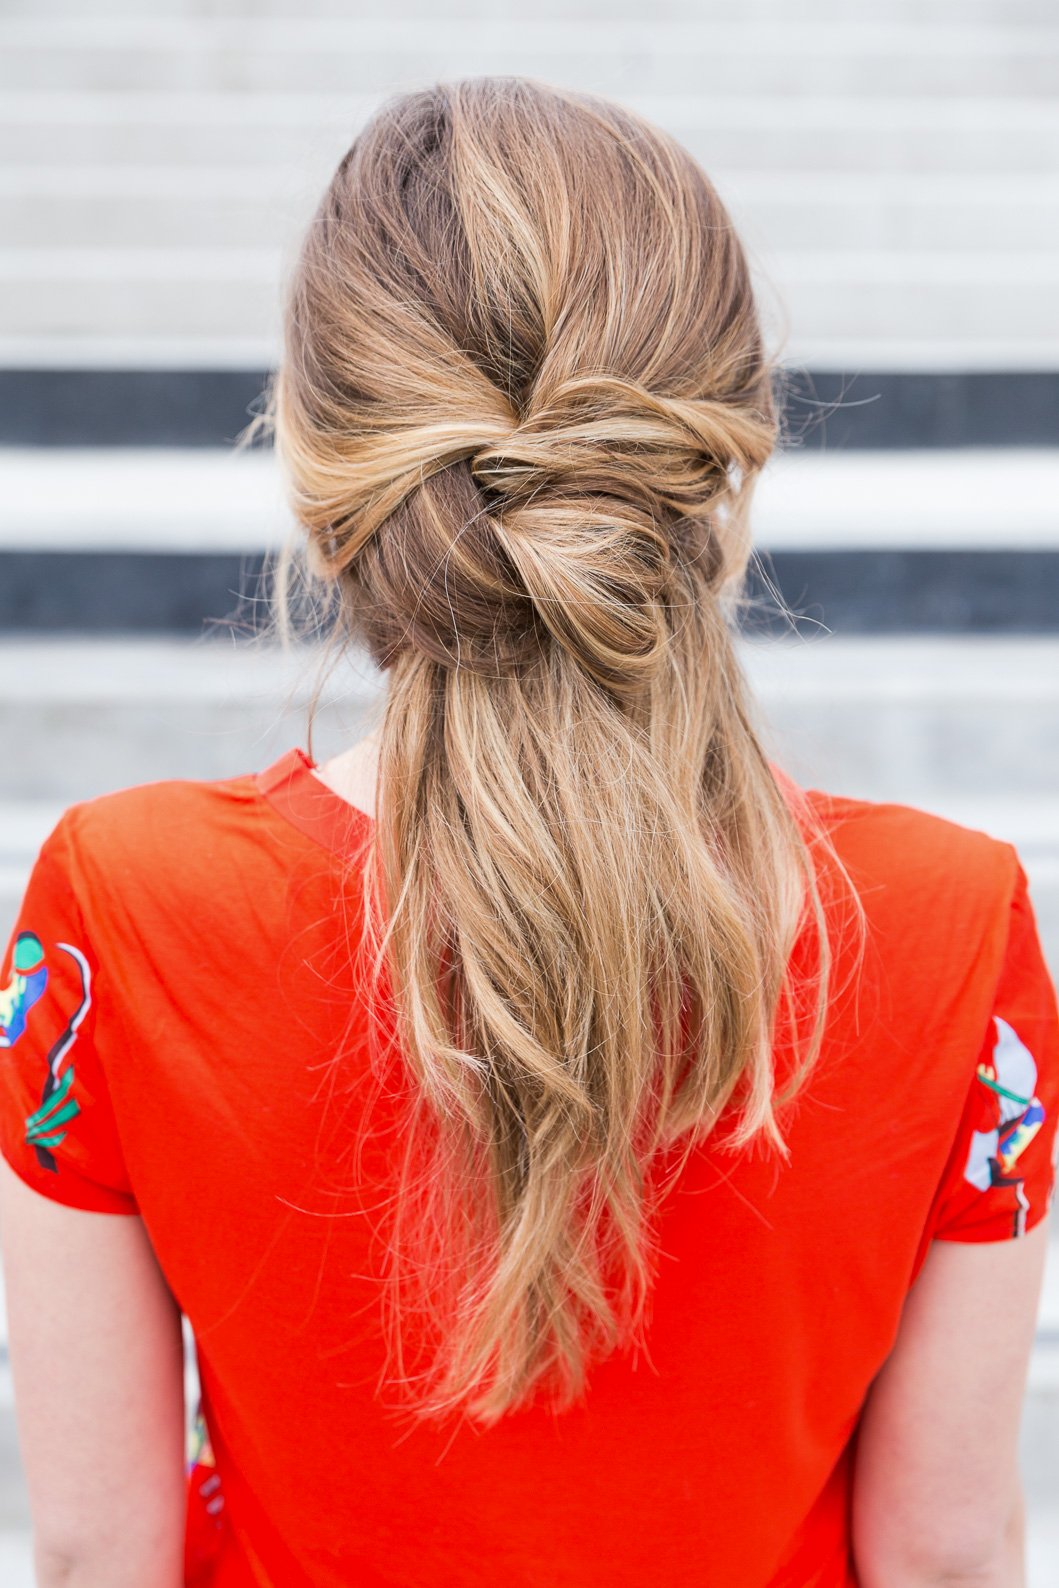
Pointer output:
523, 401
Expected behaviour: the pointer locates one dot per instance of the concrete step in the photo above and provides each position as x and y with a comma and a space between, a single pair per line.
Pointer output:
960, 498
196, 395
915, 718
833, 298
894, 212
237, 292
307, 132
791, 57
16, 1558
96, 716
161, 498
1014, 13
121, 207
1007, 13
169, 499
884, 542
224, 310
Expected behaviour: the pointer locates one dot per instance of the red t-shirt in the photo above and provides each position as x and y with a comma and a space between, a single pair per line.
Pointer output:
184, 970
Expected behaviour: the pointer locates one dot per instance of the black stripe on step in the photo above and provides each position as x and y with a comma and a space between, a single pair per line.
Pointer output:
908, 591
850, 592
854, 409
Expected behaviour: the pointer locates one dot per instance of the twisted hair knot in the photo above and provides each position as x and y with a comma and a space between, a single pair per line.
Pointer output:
614, 437
562, 522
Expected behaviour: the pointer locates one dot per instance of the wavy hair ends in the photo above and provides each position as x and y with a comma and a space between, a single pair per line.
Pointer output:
521, 407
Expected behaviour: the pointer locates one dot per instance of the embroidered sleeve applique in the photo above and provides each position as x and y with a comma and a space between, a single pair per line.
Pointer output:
45, 1127
1010, 1115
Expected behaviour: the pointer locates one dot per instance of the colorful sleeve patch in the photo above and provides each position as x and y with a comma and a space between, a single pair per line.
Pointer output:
58, 1127
46, 1126
29, 977
999, 1181
1009, 1116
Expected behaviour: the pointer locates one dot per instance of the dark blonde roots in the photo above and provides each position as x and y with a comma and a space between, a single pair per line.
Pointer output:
522, 404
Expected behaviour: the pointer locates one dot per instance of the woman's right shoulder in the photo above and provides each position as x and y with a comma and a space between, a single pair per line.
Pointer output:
915, 855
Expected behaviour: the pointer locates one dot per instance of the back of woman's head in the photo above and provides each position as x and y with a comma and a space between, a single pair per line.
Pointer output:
522, 404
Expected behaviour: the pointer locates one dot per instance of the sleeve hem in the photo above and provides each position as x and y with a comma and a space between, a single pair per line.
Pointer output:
992, 1237
80, 1196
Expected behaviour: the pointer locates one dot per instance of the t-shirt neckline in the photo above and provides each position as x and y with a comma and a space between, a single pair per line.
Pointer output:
292, 788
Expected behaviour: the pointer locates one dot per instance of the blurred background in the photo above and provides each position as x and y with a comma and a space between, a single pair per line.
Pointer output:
893, 167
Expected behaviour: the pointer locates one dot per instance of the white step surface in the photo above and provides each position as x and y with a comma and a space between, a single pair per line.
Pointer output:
832, 295
284, 133
891, 168
920, 717
204, 499
1009, 13
120, 206
162, 350
87, 717
881, 717
16, 1559
793, 56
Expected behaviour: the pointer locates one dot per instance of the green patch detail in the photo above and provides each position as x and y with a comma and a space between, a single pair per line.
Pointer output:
46, 1141
1014, 1097
60, 1106
29, 953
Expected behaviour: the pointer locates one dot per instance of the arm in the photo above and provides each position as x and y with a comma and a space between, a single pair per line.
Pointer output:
937, 1498
1015, 1540
97, 1363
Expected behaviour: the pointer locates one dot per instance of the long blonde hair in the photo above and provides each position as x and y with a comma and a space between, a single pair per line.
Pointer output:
521, 407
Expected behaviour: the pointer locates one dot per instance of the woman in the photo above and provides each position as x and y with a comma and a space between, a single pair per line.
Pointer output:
583, 1155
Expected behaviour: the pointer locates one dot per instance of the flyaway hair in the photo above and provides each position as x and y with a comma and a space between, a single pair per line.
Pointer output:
521, 407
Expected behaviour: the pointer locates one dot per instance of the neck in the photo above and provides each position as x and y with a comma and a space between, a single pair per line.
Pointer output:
352, 774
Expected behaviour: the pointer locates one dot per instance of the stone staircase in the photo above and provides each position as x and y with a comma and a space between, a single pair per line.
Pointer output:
892, 167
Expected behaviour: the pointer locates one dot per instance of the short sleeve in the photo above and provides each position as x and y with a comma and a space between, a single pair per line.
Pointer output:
57, 1127
1000, 1181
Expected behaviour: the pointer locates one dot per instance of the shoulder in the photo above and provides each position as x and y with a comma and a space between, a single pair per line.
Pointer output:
909, 859
152, 839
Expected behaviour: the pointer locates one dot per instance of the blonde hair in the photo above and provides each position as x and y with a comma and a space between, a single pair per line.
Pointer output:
522, 404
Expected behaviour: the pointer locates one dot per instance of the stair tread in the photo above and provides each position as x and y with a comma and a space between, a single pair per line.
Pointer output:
217, 499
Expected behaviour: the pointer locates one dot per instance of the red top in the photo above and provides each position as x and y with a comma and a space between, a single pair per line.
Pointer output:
183, 972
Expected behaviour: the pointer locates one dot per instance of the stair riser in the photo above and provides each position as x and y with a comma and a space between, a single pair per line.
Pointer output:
267, 218
238, 294
726, 138
1007, 15
887, 749
644, 60
884, 750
